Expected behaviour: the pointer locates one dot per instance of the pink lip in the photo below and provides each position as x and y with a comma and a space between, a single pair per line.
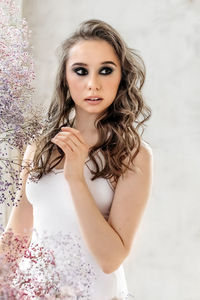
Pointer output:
90, 97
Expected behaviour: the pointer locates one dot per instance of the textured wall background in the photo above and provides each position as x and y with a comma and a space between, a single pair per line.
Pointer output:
164, 262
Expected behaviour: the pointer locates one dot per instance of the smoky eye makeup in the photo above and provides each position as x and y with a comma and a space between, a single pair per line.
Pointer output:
108, 70
83, 71
80, 71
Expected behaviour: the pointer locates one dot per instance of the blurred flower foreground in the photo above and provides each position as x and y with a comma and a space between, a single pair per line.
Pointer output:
21, 120
52, 267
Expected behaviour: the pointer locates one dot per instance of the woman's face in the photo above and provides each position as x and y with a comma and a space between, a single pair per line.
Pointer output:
93, 69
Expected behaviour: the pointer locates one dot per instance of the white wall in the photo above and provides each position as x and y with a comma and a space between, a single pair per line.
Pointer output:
164, 262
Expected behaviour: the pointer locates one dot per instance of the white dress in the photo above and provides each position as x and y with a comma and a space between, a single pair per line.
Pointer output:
56, 227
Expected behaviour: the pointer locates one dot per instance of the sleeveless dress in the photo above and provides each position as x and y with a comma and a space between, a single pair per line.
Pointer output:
56, 227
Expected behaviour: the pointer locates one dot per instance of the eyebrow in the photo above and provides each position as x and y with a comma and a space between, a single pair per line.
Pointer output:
104, 62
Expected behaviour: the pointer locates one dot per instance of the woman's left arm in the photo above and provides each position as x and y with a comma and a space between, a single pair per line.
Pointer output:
110, 241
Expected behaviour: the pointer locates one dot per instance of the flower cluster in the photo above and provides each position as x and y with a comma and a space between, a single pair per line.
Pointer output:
52, 267
21, 120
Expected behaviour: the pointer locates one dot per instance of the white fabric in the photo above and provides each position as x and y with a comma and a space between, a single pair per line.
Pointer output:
54, 213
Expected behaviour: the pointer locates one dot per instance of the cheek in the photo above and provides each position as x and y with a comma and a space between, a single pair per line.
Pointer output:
113, 84
75, 85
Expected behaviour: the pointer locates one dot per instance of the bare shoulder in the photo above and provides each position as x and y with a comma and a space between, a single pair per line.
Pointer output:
142, 165
145, 149
28, 156
30, 150
144, 158
31, 147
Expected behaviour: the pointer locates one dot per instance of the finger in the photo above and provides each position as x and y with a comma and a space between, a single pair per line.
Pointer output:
69, 136
62, 144
73, 147
75, 132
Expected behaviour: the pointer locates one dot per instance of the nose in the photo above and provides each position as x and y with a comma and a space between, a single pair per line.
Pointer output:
94, 82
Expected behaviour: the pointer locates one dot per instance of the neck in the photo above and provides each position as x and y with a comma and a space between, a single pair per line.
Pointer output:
84, 127
88, 131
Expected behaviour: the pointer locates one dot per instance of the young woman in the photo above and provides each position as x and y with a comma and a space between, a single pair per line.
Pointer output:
92, 170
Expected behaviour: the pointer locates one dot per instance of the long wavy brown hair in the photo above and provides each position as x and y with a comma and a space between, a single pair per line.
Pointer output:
122, 119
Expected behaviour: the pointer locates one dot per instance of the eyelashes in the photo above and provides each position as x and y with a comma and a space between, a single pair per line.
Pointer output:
82, 71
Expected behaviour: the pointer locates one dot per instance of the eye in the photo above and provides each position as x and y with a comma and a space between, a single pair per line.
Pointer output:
108, 71
80, 71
